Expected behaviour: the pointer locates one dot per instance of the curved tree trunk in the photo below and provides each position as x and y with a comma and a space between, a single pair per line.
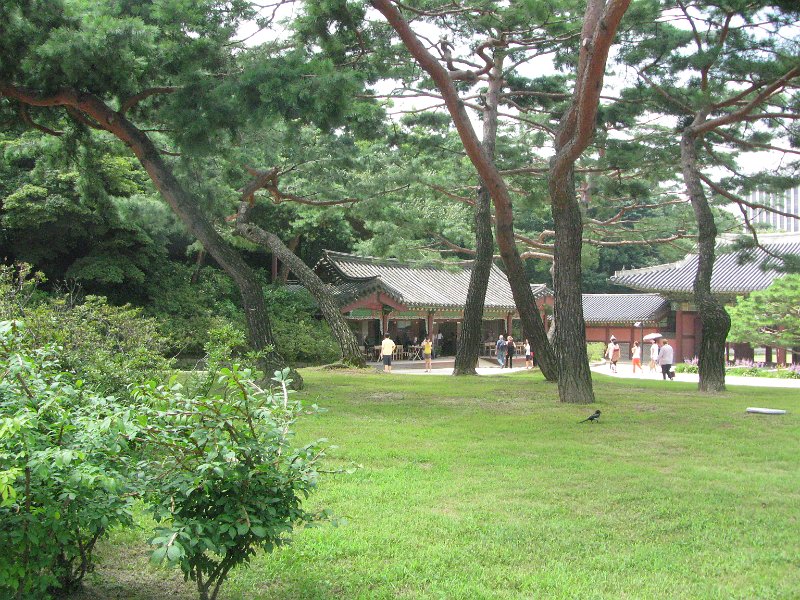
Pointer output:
185, 208
574, 376
469, 344
351, 351
714, 318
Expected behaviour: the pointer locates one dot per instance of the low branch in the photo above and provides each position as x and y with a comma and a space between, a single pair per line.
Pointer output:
26, 118
135, 99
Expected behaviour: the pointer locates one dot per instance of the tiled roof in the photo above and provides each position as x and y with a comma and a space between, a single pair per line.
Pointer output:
623, 308
416, 286
730, 275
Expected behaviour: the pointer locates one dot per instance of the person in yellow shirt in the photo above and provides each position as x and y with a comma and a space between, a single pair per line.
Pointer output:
427, 351
387, 349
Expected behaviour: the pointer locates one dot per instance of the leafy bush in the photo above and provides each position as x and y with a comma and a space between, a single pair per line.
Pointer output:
687, 367
110, 347
596, 351
63, 468
227, 479
300, 336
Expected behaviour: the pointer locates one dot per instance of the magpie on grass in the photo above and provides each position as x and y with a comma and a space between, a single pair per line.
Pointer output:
592, 417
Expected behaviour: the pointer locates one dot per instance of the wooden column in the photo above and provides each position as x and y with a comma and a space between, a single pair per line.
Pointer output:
430, 325
679, 336
509, 323
781, 352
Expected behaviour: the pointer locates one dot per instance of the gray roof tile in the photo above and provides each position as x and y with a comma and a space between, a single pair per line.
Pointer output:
416, 286
730, 276
624, 308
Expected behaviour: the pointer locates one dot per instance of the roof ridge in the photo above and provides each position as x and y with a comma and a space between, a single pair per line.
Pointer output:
394, 261
662, 267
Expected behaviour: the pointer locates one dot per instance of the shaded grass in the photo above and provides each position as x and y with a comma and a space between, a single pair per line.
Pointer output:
488, 488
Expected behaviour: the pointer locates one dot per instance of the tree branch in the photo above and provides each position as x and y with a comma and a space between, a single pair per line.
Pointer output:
134, 100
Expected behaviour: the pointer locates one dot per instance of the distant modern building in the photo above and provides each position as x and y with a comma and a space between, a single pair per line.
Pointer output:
788, 202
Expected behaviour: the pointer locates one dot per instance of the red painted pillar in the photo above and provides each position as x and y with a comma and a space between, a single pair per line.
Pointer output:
509, 323
781, 352
679, 336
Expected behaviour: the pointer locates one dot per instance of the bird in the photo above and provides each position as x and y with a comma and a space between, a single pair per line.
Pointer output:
592, 417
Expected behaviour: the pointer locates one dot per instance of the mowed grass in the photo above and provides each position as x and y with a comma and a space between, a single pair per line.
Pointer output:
489, 488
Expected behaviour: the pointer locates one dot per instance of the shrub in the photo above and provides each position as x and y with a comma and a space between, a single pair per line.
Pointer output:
108, 346
596, 351
300, 336
687, 367
227, 480
63, 468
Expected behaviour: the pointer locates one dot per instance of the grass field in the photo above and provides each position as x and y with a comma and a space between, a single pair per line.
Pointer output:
488, 488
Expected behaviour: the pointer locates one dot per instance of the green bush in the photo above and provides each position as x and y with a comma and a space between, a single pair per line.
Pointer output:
63, 468
299, 335
111, 347
686, 368
596, 351
227, 480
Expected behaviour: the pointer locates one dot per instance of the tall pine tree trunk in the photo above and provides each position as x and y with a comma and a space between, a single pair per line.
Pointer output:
469, 344
574, 376
351, 351
714, 319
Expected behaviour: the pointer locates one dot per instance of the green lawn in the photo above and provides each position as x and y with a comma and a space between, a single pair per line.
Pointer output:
488, 488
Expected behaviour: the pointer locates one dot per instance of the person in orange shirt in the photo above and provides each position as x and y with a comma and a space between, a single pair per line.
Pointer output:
427, 351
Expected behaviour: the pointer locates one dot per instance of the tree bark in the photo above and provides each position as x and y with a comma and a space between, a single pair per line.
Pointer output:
351, 351
576, 129
185, 208
714, 319
469, 344
574, 376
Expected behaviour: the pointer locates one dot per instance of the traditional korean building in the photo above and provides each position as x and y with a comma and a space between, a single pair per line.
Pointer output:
628, 317
735, 274
387, 295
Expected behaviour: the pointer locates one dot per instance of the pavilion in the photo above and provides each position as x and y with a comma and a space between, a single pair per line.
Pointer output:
386, 295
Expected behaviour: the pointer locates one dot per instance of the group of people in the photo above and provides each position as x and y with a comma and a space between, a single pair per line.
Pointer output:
506, 349
387, 351
661, 354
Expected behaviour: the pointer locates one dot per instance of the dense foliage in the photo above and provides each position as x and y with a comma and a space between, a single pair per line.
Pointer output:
86, 428
769, 317
64, 467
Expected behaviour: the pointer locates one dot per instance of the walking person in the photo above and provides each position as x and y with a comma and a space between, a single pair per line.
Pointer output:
511, 349
612, 352
665, 360
427, 351
636, 355
387, 349
528, 357
500, 351
653, 356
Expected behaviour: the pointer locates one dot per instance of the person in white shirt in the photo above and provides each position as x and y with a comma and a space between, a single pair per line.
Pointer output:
636, 356
653, 356
665, 360
387, 349
612, 352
